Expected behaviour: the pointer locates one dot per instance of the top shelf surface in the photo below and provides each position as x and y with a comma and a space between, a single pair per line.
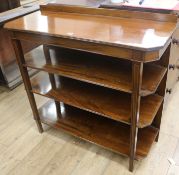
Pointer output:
120, 28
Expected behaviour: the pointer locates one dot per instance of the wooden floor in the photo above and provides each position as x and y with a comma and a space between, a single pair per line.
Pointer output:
23, 151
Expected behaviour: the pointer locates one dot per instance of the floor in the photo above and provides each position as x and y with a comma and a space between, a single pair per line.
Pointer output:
23, 151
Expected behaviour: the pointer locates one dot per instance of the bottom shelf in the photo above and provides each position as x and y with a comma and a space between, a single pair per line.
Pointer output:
99, 130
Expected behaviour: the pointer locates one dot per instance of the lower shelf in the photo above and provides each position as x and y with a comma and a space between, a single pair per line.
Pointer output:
99, 130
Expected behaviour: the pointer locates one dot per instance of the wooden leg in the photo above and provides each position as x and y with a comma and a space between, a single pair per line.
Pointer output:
27, 83
137, 70
51, 76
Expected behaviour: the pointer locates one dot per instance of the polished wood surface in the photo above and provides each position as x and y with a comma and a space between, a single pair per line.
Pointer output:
96, 129
111, 104
135, 33
82, 65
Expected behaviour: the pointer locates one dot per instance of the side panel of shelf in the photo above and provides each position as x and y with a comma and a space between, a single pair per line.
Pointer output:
164, 61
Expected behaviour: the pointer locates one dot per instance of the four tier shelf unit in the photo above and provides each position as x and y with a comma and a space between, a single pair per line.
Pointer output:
109, 94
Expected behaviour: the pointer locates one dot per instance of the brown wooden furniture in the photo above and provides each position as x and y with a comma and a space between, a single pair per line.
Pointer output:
106, 84
9, 4
9, 71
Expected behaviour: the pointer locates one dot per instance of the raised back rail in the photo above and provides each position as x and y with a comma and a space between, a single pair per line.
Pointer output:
52, 7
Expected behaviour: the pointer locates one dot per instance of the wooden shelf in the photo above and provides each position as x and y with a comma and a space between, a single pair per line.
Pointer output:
102, 131
102, 101
99, 70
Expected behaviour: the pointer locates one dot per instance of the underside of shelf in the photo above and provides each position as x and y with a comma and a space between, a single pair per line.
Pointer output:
99, 100
96, 69
99, 130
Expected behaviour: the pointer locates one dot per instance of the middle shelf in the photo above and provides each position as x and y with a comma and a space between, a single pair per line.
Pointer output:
100, 100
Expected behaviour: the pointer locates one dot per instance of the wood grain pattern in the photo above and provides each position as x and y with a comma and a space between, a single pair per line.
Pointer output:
109, 72
96, 129
102, 101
